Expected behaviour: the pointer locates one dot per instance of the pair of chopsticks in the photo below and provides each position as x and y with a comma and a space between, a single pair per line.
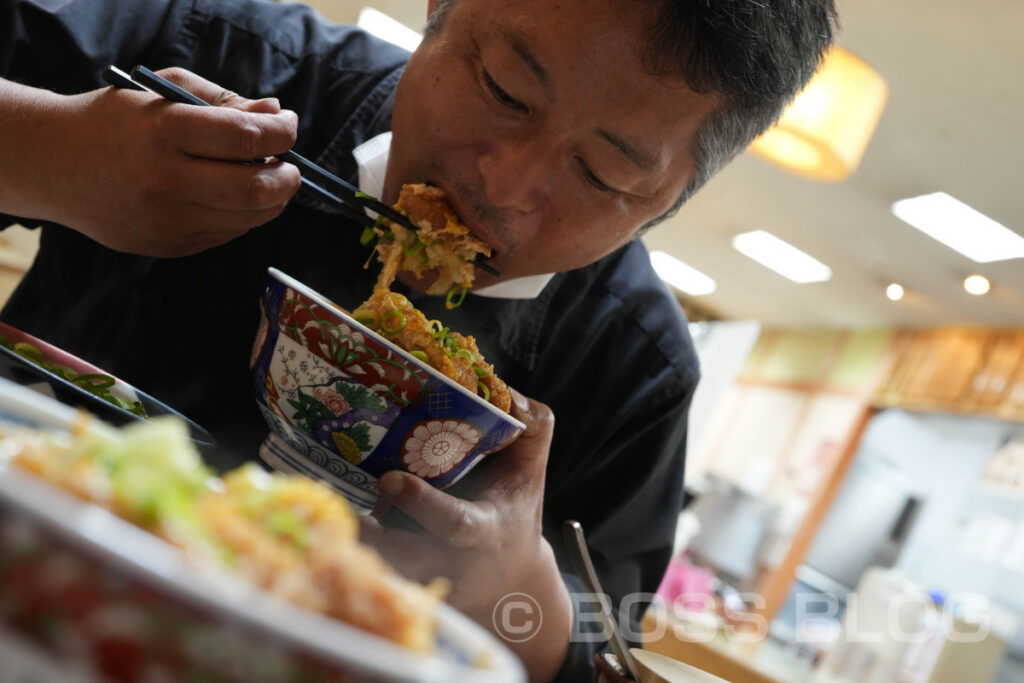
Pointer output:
348, 197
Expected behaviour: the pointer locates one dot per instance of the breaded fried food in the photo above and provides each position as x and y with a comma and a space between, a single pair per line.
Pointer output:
299, 539
291, 535
443, 242
452, 354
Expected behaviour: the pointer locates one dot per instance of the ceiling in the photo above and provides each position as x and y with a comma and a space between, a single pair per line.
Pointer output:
953, 122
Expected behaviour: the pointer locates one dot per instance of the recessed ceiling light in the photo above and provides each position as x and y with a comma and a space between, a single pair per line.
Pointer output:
977, 285
383, 26
894, 291
960, 227
681, 276
782, 257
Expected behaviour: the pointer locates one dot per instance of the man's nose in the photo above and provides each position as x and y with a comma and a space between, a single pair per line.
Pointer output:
515, 173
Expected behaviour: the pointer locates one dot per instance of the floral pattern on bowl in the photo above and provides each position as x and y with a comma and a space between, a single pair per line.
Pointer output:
341, 399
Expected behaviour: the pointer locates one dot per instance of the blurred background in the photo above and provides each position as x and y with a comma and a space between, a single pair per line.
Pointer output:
856, 460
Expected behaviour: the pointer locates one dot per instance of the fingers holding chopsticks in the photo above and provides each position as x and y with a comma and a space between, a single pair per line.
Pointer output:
139, 174
215, 95
234, 129
161, 179
231, 186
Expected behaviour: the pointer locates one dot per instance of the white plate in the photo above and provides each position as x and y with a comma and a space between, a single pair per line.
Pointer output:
128, 550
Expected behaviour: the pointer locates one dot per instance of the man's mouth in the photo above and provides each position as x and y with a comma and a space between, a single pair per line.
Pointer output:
477, 227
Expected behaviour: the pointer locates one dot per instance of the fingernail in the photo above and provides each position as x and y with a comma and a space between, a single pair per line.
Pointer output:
390, 485
268, 105
522, 403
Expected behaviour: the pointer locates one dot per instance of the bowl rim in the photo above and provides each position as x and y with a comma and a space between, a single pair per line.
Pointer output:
291, 282
96, 405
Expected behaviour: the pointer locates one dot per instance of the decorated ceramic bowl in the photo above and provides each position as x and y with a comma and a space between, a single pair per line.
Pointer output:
346, 405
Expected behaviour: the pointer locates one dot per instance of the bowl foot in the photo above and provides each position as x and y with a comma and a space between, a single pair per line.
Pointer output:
281, 456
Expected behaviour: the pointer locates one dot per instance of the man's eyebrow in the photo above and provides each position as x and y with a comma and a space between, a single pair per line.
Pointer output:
521, 47
645, 161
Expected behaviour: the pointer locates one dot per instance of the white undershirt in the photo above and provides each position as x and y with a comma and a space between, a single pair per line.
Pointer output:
372, 159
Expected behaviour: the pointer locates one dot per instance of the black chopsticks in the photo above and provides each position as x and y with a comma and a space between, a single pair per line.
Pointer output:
317, 178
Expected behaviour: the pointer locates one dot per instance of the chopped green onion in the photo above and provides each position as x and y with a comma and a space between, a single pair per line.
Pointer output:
467, 354
392, 330
459, 291
367, 236
95, 382
480, 372
436, 328
480, 386
416, 246
29, 351
363, 195
449, 345
285, 524
421, 355
365, 317
62, 371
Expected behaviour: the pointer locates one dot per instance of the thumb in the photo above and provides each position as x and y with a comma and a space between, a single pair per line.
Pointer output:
527, 456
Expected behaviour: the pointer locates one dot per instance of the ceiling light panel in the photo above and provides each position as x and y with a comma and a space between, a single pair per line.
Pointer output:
686, 279
782, 257
960, 227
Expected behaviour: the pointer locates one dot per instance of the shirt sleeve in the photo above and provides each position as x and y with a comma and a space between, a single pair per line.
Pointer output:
586, 640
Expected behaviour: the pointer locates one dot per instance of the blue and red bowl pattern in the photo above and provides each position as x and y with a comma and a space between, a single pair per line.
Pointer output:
358, 404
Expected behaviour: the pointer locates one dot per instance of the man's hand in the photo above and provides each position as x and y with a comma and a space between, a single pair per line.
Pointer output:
489, 546
140, 174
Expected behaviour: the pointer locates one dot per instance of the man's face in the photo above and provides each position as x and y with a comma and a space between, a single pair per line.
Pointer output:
540, 122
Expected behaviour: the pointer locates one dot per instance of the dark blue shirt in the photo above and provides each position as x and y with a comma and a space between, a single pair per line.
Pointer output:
605, 346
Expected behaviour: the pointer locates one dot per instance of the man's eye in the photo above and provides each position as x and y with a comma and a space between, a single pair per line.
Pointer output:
501, 96
592, 178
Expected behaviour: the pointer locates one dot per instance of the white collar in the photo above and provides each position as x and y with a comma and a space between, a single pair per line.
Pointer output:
372, 159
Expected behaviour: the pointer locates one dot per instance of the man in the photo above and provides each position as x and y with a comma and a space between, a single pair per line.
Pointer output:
560, 131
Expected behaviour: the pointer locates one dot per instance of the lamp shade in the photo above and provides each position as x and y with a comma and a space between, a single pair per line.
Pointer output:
824, 131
